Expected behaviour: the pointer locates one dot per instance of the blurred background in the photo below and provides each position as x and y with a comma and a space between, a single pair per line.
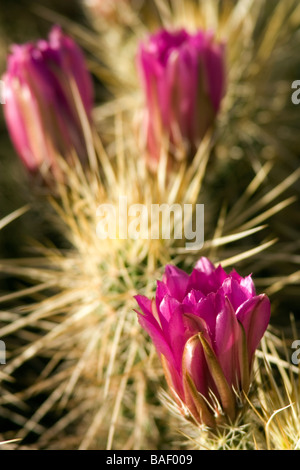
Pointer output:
278, 269
20, 22
24, 20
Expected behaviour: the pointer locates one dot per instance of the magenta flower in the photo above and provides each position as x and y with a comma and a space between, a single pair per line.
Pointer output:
206, 327
183, 77
45, 85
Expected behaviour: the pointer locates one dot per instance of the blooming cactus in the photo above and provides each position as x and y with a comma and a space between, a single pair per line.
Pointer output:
206, 327
183, 78
45, 86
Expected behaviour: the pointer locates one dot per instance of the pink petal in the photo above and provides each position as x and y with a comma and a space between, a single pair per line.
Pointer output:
166, 310
161, 291
246, 282
208, 309
192, 298
194, 363
145, 305
153, 328
205, 266
236, 293
254, 315
206, 278
177, 281
157, 337
228, 341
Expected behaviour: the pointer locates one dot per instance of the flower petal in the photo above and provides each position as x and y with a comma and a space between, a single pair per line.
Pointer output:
176, 281
224, 390
194, 399
150, 325
228, 341
254, 315
205, 266
194, 363
236, 293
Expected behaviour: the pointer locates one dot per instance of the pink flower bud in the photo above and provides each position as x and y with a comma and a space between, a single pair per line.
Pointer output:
206, 327
43, 84
183, 78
